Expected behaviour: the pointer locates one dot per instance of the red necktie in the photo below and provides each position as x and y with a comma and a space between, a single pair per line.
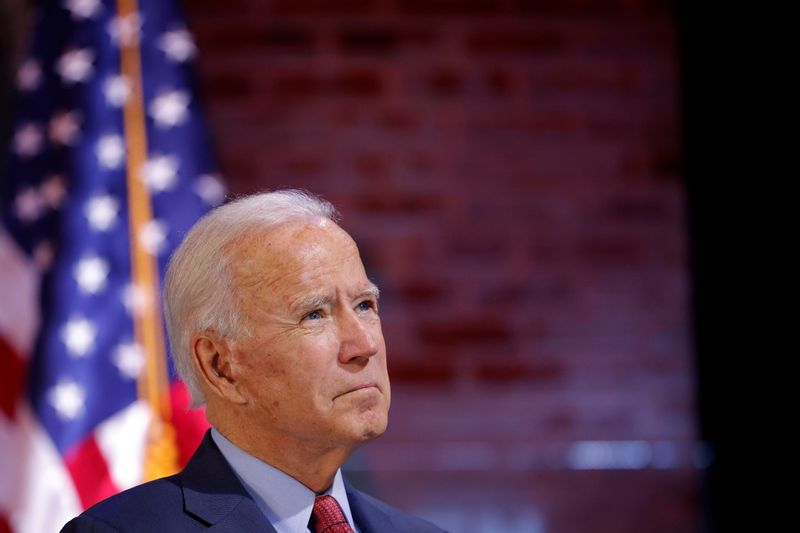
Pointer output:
328, 517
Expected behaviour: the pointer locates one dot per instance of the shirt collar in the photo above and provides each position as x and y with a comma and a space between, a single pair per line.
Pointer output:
286, 502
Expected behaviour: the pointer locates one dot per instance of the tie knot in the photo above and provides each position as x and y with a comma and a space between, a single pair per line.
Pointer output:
328, 517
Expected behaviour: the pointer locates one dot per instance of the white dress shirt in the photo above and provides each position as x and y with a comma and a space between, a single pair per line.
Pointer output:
285, 502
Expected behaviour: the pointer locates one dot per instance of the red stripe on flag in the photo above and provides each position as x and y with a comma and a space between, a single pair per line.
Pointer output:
4, 527
90, 473
190, 424
12, 379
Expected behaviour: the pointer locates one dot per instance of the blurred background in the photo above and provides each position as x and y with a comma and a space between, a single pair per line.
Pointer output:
513, 172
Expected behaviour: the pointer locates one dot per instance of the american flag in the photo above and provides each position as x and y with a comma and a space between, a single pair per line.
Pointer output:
108, 167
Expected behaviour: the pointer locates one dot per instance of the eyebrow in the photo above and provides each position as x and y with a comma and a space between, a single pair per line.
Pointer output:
312, 302
372, 290
321, 300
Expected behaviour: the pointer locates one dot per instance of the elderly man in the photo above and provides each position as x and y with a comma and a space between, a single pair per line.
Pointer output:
274, 325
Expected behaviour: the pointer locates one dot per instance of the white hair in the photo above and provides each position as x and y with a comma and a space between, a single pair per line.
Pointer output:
198, 287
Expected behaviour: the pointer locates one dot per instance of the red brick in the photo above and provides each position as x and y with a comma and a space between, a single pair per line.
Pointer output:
381, 40
423, 163
238, 171
546, 292
667, 165
464, 331
420, 291
403, 202
215, 7
448, 7
372, 40
321, 7
500, 82
372, 164
504, 371
291, 38
421, 372
605, 251
344, 116
445, 82
471, 245
223, 38
596, 76
307, 165
227, 86
298, 85
515, 42
594, 7
634, 210
398, 119
361, 83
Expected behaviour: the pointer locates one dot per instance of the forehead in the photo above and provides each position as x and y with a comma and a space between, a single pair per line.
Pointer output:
296, 252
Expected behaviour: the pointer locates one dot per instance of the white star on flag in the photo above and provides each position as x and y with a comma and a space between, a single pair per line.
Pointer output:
78, 335
210, 188
75, 66
170, 108
129, 359
53, 191
125, 31
83, 9
177, 45
28, 205
64, 127
161, 172
68, 399
110, 151
101, 211
91, 273
28, 139
153, 236
29, 76
117, 89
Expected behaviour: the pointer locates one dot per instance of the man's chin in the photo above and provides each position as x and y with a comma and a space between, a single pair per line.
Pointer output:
372, 427
365, 415
374, 433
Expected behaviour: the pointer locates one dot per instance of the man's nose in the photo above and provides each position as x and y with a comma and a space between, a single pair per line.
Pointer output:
358, 338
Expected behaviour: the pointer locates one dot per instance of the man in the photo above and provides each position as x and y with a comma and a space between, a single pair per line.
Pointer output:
274, 326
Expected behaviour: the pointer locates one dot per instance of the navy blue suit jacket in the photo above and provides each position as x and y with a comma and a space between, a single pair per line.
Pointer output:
206, 495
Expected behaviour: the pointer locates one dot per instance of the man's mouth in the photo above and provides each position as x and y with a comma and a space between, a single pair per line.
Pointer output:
363, 386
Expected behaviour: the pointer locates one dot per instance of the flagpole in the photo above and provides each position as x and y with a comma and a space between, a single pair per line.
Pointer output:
161, 456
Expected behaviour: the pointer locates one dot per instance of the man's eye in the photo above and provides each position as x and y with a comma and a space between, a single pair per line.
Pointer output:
314, 315
366, 305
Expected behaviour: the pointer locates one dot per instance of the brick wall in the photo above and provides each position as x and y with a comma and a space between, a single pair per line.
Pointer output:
511, 170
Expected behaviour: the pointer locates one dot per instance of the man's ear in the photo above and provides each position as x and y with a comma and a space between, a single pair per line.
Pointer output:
217, 366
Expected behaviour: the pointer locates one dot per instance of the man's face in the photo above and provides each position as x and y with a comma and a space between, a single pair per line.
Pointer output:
313, 369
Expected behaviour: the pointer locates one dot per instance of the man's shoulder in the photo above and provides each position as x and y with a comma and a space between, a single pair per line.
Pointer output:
135, 509
368, 508
205, 492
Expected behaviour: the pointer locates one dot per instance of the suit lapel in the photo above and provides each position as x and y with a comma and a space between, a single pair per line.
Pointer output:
368, 518
213, 494
246, 517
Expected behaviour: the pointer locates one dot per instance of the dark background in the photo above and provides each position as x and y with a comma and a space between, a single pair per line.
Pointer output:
523, 179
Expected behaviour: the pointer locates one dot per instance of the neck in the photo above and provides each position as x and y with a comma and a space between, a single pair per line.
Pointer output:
311, 465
